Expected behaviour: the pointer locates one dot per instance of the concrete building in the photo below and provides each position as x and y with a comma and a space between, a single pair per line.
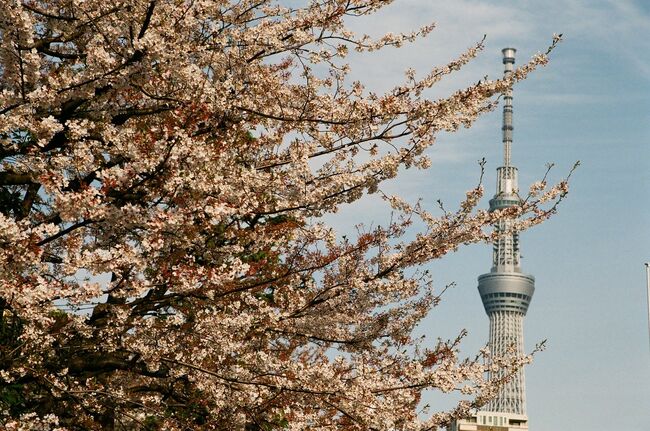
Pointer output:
492, 421
506, 293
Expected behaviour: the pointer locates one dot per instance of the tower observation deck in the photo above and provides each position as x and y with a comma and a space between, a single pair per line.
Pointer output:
506, 292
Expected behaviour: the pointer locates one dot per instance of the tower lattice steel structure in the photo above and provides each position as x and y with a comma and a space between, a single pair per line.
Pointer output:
505, 291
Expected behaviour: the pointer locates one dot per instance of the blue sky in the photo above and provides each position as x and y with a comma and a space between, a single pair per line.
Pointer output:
591, 103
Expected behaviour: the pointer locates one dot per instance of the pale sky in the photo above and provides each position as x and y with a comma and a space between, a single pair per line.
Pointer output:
591, 103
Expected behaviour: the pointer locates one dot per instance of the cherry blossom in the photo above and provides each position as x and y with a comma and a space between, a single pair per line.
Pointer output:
164, 169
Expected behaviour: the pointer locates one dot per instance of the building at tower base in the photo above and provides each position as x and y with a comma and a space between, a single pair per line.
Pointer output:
491, 421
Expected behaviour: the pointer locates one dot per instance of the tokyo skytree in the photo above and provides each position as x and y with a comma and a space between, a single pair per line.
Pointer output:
506, 292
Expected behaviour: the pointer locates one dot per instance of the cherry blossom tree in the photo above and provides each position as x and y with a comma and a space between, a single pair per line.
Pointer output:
164, 264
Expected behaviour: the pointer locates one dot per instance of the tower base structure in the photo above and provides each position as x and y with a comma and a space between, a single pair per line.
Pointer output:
491, 421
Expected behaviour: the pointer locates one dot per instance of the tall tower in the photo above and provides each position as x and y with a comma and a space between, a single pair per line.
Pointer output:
505, 291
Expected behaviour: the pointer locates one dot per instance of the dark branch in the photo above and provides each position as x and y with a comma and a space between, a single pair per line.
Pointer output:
147, 19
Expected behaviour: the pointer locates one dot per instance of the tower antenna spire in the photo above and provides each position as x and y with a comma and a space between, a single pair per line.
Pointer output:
509, 63
506, 248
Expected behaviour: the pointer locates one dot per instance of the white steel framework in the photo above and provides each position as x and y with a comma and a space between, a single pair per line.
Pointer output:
507, 329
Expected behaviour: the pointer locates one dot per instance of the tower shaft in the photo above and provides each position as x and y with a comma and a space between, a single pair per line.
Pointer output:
506, 336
